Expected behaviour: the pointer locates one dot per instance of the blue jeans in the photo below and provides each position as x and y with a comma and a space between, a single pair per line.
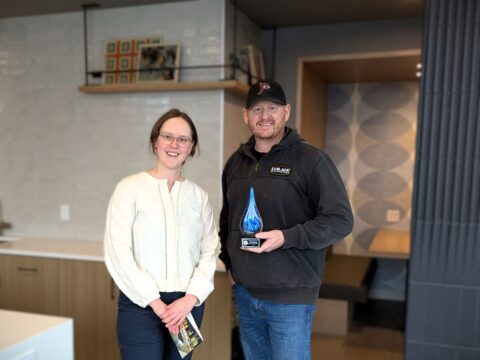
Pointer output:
272, 331
143, 336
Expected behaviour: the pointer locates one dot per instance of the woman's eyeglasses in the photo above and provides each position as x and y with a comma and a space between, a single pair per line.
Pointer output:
167, 139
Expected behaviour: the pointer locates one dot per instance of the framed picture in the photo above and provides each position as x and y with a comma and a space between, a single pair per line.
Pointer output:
121, 59
158, 62
257, 67
243, 63
251, 58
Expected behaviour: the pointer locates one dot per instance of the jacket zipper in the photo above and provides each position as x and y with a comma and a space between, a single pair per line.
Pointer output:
255, 168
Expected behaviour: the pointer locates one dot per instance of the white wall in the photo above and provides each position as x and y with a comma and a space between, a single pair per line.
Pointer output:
294, 42
242, 31
60, 146
235, 130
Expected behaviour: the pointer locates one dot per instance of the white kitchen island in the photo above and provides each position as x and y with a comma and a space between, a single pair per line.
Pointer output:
27, 336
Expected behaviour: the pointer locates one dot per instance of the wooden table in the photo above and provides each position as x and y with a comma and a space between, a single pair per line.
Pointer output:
394, 244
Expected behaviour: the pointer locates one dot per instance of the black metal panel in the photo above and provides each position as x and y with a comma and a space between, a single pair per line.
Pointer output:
443, 308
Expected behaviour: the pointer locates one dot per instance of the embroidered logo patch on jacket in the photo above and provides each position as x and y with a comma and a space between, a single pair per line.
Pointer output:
281, 170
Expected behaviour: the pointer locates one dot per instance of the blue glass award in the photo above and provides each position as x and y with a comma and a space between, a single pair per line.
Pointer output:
251, 223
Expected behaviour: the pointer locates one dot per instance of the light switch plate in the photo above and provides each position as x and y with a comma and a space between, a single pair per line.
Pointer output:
64, 212
393, 215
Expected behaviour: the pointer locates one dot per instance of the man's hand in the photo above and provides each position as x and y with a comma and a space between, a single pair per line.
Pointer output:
231, 278
177, 311
272, 240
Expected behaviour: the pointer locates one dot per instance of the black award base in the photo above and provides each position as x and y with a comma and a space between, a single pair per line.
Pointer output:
251, 243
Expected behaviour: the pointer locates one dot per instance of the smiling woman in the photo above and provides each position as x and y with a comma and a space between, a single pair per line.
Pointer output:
172, 150
160, 243
159, 130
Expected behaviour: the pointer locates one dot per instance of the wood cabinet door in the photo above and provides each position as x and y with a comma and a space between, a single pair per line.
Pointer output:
216, 326
29, 284
89, 296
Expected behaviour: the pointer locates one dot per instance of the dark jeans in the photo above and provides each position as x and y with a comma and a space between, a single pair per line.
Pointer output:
143, 336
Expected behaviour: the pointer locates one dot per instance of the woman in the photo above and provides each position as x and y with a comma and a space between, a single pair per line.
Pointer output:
160, 245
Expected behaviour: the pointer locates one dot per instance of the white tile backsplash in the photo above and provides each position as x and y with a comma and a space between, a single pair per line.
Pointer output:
61, 146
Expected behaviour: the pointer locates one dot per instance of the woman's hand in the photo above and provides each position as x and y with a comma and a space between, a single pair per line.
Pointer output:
177, 311
158, 307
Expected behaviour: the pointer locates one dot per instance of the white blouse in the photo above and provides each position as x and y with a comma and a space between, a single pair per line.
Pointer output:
160, 240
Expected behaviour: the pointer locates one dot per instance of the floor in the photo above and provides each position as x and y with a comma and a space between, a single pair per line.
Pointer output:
361, 343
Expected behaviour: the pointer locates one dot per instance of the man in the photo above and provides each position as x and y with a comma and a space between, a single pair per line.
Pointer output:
304, 207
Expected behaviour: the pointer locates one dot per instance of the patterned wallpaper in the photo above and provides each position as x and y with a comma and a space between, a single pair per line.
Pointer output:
371, 130
371, 137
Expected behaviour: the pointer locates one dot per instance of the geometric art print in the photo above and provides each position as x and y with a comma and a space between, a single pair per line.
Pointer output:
121, 59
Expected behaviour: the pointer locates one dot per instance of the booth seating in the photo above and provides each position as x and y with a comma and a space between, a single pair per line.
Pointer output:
346, 280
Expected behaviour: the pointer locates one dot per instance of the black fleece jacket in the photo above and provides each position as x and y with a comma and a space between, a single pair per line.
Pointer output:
297, 190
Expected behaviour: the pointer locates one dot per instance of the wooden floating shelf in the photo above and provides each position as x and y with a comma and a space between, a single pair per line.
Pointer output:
153, 86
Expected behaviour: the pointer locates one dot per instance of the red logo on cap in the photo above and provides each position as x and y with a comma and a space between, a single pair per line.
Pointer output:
263, 86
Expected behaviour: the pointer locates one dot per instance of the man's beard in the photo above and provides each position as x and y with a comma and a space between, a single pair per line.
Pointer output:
270, 135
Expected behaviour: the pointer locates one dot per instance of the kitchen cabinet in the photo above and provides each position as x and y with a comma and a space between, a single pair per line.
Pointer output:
29, 284
216, 326
88, 295
69, 279
81, 290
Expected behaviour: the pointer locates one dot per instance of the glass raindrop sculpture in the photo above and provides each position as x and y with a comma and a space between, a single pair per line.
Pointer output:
251, 222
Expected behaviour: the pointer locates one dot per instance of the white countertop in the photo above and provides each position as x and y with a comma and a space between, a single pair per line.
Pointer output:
54, 248
60, 249
17, 326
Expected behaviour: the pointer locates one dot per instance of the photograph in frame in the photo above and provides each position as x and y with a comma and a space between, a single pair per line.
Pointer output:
243, 64
257, 67
250, 58
158, 62
121, 59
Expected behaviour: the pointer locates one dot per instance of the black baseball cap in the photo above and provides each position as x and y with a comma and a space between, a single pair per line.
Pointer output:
266, 90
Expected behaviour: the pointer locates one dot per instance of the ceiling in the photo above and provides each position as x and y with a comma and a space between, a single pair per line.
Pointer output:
281, 13
265, 13
399, 66
13, 8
